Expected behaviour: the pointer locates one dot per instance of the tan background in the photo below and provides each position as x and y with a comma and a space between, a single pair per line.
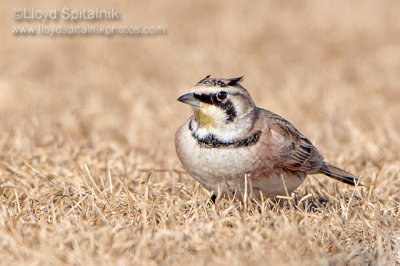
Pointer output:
331, 68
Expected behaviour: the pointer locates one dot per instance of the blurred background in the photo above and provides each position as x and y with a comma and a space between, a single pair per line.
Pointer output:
331, 68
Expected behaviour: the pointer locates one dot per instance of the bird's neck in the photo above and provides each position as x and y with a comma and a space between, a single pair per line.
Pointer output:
202, 128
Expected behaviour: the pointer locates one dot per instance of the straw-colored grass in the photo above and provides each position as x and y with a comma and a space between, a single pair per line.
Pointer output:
88, 171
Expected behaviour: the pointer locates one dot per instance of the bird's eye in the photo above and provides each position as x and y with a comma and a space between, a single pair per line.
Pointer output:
221, 95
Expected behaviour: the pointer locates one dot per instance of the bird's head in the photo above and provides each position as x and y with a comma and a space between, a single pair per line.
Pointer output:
219, 103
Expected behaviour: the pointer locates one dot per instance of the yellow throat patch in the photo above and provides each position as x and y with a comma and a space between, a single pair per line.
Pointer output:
204, 116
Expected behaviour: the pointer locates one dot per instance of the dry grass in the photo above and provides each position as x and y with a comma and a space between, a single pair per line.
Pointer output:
88, 171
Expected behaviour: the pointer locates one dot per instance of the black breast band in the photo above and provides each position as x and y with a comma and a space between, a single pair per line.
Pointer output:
210, 141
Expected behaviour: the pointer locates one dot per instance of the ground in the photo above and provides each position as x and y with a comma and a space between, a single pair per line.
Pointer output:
88, 170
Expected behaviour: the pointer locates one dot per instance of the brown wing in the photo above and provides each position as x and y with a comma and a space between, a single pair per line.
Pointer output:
296, 152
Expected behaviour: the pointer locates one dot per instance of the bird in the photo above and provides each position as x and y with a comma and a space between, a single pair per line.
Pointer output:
232, 147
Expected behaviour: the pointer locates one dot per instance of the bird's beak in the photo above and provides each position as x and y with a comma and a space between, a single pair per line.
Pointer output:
189, 99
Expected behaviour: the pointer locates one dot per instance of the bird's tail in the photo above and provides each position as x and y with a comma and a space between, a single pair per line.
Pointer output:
339, 174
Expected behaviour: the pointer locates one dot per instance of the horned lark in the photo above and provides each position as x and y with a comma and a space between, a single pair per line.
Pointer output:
230, 142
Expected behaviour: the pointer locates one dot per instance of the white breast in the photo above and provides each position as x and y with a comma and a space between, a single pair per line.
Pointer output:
224, 169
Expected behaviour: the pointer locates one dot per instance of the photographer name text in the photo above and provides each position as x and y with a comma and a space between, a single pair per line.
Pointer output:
65, 13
